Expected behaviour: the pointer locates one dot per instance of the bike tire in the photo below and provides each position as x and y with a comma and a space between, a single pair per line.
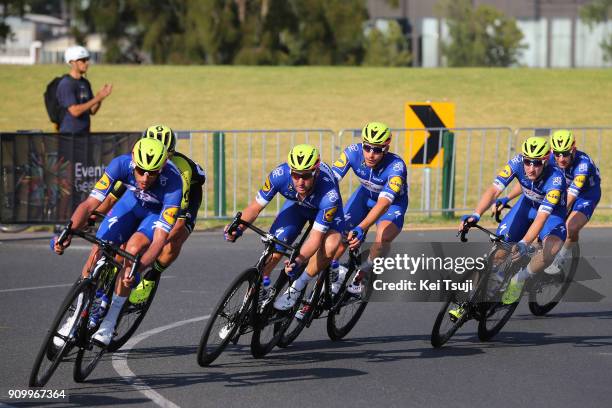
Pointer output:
346, 309
441, 332
129, 319
296, 325
242, 289
539, 306
266, 334
39, 378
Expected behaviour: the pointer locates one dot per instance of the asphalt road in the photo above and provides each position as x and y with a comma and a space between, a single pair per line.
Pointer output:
563, 360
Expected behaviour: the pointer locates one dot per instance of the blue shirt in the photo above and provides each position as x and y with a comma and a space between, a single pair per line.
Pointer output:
323, 200
582, 176
387, 180
164, 196
70, 92
548, 193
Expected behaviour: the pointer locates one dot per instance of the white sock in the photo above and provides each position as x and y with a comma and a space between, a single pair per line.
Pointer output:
114, 310
301, 282
523, 274
562, 253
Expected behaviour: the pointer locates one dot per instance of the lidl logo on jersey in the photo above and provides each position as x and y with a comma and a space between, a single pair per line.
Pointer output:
103, 183
329, 214
579, 181
424, 147
267, 185
170, 215
553, 196
395, 183
341, 162
505, 172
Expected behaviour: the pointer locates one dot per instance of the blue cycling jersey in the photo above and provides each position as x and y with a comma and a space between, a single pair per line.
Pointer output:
387, 180
582, 176
163, 198
548, 193
322, 203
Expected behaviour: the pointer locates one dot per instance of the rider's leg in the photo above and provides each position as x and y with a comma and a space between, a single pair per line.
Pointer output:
137, 244
286, 227
355, 211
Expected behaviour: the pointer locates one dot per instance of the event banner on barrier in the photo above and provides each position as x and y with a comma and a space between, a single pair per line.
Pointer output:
46, 175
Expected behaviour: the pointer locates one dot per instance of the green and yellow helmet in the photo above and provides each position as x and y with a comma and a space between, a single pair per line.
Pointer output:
536, 147
149, 154
562, 140
303, 157
376, 133
162, 133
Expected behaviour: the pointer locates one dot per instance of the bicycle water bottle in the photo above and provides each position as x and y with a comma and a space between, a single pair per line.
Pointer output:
333, 270
93, 314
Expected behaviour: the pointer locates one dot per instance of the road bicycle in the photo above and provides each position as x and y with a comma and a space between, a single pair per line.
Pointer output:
241, 311
343, 308
483, 303
74, 314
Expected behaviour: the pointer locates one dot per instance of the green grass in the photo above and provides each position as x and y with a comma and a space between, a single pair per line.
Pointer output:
211, 97
218, 97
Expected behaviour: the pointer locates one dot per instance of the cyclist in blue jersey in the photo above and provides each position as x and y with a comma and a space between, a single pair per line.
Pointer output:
540, 212
382, 197
193, 177
312, 193
143, 217
583, 189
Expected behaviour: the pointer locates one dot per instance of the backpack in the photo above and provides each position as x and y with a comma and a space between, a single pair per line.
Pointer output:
54, 109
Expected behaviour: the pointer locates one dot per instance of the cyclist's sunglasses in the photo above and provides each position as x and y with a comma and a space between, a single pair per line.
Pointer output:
563, 154
83, 59
534, 163
375, 149
142, 172
306, 175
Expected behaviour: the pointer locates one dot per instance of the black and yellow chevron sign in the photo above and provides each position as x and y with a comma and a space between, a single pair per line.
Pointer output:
423, 148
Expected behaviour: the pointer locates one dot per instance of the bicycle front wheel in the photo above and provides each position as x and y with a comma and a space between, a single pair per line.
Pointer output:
69, 317
228, 317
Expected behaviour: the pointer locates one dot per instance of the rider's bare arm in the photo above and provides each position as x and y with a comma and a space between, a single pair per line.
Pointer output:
488, 198
83, 211
312, 244
536, 227
151, 254
381, 206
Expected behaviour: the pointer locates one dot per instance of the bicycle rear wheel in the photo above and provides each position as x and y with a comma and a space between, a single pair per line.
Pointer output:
347, 309
227, 318
49, 356
129, 319
548, 290
311, 304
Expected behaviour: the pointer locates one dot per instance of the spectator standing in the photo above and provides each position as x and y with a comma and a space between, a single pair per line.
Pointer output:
74, 93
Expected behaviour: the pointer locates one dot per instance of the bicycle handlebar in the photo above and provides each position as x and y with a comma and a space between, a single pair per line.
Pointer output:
237, 221
492, 236
107, 246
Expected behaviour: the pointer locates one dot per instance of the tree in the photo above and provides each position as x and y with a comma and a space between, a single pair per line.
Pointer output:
388, 48
480, 36
599, 11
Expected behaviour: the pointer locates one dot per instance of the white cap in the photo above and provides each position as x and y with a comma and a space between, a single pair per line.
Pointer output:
74, 53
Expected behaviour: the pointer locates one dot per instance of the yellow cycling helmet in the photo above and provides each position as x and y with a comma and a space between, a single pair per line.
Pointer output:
376, 133
162, 133
303, 157
536, 147
562, 140
149, 154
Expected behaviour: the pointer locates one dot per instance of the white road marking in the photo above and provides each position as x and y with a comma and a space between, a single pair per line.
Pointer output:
121, 366
63, 285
